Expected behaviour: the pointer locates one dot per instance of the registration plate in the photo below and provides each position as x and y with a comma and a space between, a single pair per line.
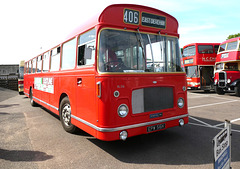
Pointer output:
155, 127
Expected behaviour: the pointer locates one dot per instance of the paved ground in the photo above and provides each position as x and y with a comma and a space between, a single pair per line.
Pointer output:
32, 137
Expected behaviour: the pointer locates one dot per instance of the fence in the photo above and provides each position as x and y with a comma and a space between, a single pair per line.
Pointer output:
9, 81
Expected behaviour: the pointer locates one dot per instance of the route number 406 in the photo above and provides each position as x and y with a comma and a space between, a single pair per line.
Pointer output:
131, 16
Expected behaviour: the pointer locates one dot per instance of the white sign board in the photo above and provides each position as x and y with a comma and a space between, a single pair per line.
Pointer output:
222, 152
45, 84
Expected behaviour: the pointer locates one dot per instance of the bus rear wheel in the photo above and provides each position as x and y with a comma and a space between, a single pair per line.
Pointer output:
237, 90
32, 102
65, 115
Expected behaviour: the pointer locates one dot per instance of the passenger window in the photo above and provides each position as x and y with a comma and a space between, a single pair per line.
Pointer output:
46, 62
34, 65
29, 66
39, 64
55, 59
189, 51
86, 48
202, 49
232, 45
69, 54
222, 47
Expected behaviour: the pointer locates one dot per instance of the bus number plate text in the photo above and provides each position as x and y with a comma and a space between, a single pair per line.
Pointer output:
155, 127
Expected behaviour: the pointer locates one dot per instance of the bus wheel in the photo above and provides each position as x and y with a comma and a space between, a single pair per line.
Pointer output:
20, 93
32, 102
237, 90
206, 91
220, 91
65, 115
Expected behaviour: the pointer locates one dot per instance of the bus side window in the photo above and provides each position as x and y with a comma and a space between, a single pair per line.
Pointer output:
69, 54
34, 65
39, 64
55, 59
30, 66
45, 62
86, 54
86, 48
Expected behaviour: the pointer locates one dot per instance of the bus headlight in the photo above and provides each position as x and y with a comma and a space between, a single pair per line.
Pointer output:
215, 81
123, 110
180, 102
229, 80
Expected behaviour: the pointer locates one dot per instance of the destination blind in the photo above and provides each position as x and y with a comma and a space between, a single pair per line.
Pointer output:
153, 20
150, 20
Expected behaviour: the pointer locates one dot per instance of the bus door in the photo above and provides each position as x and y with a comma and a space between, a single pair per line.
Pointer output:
86, 98
86, 83
206, 77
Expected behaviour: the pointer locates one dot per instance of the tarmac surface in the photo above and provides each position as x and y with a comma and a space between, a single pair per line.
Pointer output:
32, 137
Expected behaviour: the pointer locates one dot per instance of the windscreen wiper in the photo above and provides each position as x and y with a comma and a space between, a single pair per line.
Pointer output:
151, 52
141, 43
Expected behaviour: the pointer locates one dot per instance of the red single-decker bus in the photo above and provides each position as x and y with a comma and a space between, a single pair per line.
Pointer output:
227, 68
199, 60
117, 76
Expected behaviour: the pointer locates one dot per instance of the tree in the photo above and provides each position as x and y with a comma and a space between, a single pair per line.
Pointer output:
233, 36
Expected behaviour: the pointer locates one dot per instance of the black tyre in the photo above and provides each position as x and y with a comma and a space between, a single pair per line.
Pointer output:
32, 102
220, 91
20, 93
237, 90
65, 116
206, 91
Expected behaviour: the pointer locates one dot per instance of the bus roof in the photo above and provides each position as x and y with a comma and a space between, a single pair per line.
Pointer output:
231, 40
113, 14
194, 44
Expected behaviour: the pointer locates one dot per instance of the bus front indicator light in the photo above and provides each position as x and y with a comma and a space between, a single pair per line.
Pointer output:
181, 122
180, 102
123, 110
123, 135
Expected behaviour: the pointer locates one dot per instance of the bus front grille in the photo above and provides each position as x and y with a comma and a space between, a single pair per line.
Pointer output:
152, 99
222, 79
221, 76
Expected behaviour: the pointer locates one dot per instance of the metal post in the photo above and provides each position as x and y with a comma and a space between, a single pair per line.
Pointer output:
228, 126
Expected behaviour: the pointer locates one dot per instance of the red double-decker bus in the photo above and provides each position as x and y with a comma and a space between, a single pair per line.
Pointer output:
199, 60
117, 76
227, 68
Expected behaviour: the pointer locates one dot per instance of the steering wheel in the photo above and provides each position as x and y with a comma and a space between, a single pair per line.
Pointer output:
113, 66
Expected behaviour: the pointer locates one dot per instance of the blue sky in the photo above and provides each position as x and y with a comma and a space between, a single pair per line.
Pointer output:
29, 27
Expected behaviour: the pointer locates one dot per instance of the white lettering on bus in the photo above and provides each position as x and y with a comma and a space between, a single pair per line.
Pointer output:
153, 21
209, 59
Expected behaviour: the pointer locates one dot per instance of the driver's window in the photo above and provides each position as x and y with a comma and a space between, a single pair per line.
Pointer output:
86, 48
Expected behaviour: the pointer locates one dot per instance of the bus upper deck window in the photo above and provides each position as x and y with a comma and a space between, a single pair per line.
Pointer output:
205, 49
222, 47
232, 45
